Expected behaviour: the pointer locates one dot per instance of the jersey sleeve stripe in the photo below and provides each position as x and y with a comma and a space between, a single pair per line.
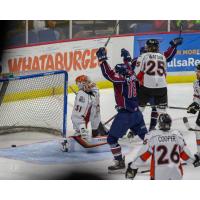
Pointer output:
184, 155
145, 156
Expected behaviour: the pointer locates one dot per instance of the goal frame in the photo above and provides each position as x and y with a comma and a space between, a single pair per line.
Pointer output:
6, 80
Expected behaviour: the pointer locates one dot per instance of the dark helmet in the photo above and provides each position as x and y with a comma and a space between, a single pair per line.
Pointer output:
123, 69
198, 66
164, 122
143, 50
152, 45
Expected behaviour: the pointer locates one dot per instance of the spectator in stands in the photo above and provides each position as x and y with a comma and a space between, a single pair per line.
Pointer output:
51, 24
39, 25
160, 25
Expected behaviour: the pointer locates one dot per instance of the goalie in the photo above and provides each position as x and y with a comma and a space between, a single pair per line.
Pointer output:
87, 108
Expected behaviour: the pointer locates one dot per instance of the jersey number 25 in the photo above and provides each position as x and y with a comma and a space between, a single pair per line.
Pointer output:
155, 67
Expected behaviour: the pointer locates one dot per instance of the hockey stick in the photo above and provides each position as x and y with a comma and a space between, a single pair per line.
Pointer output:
171, 107
148, 170
180, 30
185, 121
179, 108
72, 89
3, 91
110, 119
114, 30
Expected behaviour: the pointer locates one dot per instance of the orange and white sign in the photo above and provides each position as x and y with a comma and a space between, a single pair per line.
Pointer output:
76, 57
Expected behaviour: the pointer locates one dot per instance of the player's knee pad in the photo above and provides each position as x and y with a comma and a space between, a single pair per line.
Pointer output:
112, 140
142, 108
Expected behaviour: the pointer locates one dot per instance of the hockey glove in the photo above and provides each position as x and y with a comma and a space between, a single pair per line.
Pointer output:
126, 55
176, 42
101, 54
193, 108
130, 173
196, 163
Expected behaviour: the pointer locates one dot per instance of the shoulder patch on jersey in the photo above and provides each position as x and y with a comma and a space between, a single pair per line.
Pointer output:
81, 99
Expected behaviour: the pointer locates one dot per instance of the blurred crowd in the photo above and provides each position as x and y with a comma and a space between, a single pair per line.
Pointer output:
36, 31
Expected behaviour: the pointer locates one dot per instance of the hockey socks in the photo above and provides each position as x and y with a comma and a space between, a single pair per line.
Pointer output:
116, 151
154, 118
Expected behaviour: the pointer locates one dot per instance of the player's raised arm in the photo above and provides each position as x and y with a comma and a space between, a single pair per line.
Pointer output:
171, 51
107, 72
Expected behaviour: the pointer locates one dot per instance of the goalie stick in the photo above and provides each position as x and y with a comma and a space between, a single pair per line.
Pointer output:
186, 122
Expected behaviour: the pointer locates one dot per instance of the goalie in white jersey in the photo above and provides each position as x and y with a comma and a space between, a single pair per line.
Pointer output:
87, 108
166, 148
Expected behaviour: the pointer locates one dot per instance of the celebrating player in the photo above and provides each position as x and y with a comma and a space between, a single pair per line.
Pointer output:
87, 108
152, 75
136, 61
166, 148
129, 115
194, 107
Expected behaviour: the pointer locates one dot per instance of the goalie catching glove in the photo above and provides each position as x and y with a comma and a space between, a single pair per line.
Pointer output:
193, 108
130, 173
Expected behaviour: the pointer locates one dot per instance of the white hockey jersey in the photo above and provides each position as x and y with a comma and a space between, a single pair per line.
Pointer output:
153, 67
166, 150
86, 108
196, 96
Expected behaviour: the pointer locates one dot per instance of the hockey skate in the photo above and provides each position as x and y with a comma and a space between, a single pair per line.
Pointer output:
64, 145
118, 167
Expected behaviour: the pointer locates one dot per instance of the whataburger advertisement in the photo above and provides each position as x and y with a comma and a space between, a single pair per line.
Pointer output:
79, 57
188, 54
76, 57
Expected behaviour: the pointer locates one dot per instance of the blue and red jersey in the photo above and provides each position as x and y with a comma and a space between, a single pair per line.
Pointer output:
124, 88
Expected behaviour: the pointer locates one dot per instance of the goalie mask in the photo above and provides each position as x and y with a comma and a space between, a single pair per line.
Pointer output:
164, 122
152, 45
82, 81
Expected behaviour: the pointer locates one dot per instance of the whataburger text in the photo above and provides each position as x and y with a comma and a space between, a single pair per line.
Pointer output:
72, 60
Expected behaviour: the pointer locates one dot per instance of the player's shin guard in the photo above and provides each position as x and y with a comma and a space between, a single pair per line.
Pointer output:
197, 133
154, 117
116, 151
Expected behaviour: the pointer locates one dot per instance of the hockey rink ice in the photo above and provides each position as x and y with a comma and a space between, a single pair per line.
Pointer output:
39, 156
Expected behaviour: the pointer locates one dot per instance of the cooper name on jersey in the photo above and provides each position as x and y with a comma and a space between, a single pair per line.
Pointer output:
167, 138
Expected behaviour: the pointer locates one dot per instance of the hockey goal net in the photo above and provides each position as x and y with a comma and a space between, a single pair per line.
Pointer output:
35, 102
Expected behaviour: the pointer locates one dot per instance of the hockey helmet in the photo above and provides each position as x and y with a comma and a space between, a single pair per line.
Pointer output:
164, 121
82, 80
152, 45
123, 69
143, 50
198, 66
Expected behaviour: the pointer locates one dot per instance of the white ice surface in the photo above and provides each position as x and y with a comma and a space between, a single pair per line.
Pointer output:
179, 95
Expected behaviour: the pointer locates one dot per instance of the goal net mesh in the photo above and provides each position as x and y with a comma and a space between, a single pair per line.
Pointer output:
36, 102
